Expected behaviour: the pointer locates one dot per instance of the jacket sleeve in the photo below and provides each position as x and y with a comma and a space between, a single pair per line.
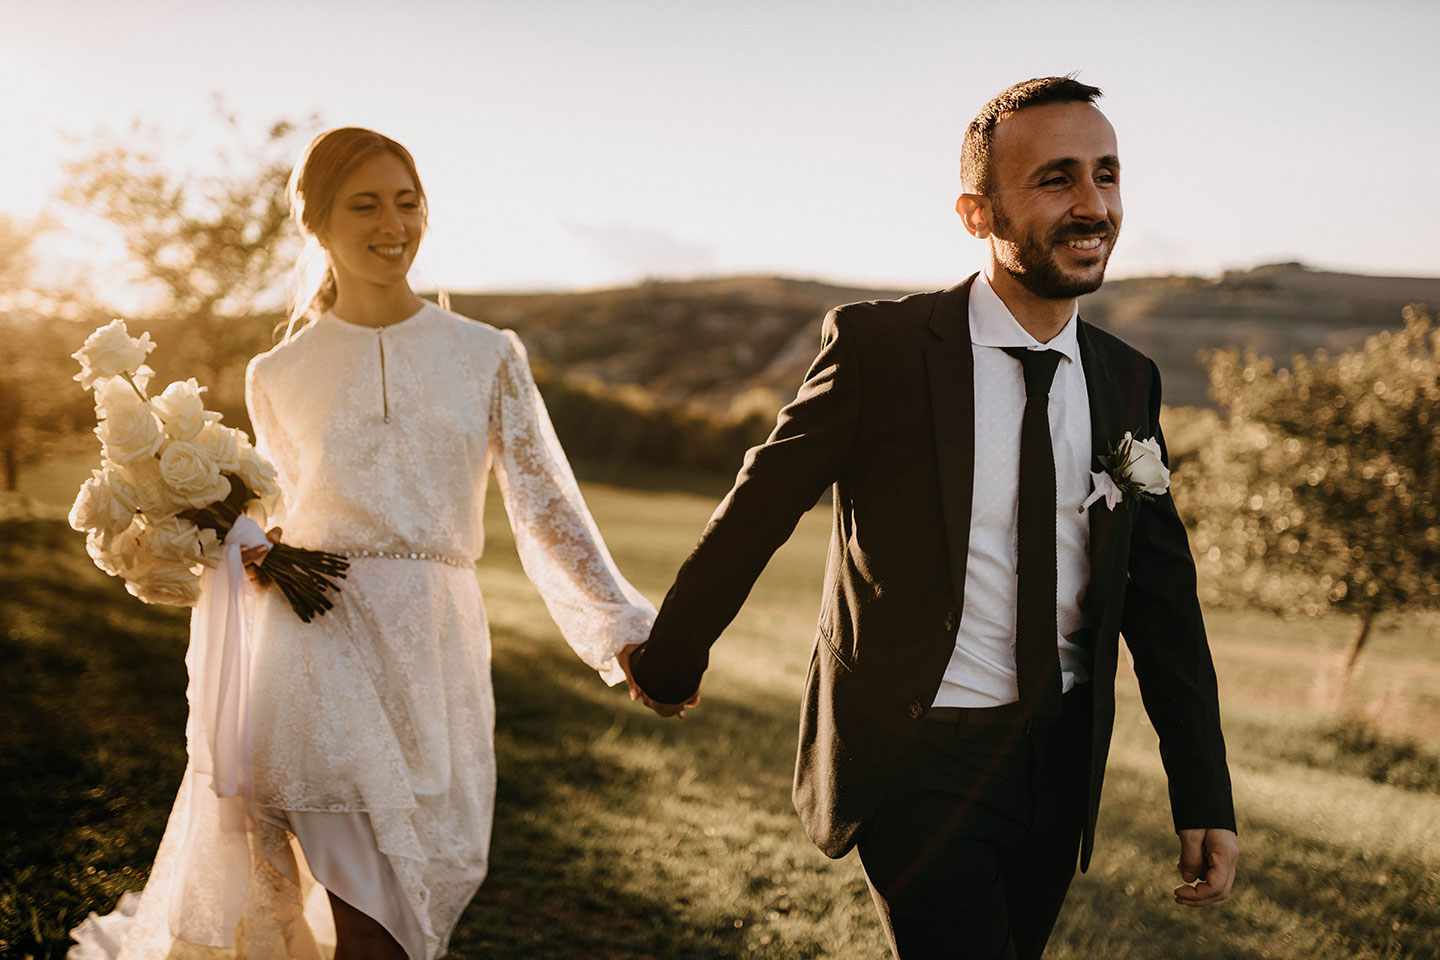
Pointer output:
779, 481
1165, 632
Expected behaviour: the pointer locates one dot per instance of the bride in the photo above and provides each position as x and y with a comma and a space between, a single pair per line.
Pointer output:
372, 769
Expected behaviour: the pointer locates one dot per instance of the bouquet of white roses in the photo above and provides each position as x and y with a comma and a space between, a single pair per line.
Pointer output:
172, 484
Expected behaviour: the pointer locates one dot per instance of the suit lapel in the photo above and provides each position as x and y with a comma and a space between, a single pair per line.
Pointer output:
950, 363
1105, 429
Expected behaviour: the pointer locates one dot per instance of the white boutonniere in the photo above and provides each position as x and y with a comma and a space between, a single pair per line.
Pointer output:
1132, 468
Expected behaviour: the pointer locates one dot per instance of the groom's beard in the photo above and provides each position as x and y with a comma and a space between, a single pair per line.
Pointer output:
1031, 260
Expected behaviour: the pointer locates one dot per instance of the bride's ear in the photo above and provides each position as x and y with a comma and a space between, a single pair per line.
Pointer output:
974, 210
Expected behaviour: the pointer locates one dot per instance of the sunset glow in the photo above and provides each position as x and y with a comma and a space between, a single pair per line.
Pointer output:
572, 144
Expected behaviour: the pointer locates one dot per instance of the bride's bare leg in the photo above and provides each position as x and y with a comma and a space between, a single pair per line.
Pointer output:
359, 936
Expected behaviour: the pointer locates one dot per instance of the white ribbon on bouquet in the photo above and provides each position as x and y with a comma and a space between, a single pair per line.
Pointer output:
208, 891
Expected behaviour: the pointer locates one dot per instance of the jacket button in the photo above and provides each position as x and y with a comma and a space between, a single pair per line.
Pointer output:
950, 623
915, 709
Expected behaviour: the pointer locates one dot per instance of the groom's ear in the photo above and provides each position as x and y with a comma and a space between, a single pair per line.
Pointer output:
974, 209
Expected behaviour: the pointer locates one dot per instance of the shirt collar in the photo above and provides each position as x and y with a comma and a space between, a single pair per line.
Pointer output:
992, 324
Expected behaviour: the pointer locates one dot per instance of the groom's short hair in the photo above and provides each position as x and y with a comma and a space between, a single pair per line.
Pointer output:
975, 171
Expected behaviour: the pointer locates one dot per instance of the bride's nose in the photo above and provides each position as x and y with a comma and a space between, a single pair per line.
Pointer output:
391, 223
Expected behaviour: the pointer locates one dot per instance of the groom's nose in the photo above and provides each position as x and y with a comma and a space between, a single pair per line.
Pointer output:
1089, 203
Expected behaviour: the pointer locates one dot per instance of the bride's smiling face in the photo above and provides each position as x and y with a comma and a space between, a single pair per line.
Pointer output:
375, 225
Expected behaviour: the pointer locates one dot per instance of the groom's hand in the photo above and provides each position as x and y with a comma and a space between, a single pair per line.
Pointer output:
663, 709
1208, 856
671, 709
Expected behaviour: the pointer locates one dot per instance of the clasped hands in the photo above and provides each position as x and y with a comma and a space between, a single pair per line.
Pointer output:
663, 709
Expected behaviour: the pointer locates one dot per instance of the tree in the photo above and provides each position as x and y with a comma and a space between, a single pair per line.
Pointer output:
15, 256
213, 245
1321, 491
37, 411
213, 249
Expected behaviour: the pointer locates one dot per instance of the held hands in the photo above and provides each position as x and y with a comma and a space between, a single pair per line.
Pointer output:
663, 709
252, 556
1214, 851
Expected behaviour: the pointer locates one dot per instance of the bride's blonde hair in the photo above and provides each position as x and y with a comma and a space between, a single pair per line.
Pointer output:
327, 162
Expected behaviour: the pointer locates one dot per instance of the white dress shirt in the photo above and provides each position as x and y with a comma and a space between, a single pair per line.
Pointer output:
981, 672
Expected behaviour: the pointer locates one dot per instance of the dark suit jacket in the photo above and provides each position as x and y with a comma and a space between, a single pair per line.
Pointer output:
886, 416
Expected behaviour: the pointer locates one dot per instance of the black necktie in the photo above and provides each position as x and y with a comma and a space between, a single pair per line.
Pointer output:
1037, 658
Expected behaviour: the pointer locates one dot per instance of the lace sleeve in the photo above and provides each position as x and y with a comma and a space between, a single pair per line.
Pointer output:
597, 610
270, 440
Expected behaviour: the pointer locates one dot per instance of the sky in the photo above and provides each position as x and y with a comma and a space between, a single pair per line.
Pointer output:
582, 143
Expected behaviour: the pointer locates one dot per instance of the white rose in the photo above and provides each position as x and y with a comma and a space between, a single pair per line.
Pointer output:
1145, 466
152, 496
154, 580
104, 504
114, 394
191, 475
221, 444
111, 351
118, 556
257, 473
166, 582
129, 432
119, 479
177, 540
182, 410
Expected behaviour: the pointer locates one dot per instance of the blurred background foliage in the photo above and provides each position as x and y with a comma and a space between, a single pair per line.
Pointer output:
203, 250
1319, 488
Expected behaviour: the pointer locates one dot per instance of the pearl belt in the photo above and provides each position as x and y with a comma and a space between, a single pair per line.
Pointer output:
400, 555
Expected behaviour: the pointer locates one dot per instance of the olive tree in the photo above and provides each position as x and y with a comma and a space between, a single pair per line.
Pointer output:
1321, 490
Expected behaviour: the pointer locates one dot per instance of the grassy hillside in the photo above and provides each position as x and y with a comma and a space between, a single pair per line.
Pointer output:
619, 835
717, 340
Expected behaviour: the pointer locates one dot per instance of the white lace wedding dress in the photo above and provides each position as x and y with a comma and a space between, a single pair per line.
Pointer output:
371, 728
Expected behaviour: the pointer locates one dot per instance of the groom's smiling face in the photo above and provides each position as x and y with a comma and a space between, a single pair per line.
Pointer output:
1054, 201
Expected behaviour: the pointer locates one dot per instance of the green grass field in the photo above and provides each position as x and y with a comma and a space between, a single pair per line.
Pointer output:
621, 835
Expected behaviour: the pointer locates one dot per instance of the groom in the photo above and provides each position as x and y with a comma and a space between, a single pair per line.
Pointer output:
960, 700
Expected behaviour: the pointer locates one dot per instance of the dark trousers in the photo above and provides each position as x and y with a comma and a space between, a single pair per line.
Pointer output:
971, 852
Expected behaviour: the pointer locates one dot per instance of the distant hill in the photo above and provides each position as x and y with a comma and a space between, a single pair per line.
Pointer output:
747, 341
1278, 310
